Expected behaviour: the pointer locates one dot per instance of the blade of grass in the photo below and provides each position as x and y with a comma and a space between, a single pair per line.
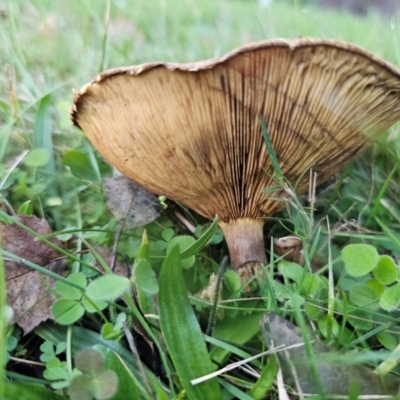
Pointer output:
182, 333
42, 138
311, 357
271, 152
201, 241
239, 394
377, 200
43, 270
105, 36
391, 235
42, 133
331, 290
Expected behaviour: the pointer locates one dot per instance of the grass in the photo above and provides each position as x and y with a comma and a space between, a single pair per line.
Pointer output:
47, 49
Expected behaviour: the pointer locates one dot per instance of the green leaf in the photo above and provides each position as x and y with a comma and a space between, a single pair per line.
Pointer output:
42, 133
81, 388
47, 347
387, 340
295, 300
143, 251
359, 259
93, 306
55, 370
323, 326
346, 336
232, 281
26, 208
105, 385
12, 343
347, 282
183, 242
201, 242
266, 379
390, 297
272, 189
270, 149
107, 331
29, 391
67, 311
167, 234
310, 285
182, 333
90, 361
37, 158
61, 347
108, 287
237, 330
291, 270
360, 319
145, 277
386, 271
71, 292
127, 382
312, 310
80, 165
375, 286
362, 296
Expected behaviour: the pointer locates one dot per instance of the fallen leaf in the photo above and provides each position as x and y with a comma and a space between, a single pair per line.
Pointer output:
28, 290
130, 201
335, 376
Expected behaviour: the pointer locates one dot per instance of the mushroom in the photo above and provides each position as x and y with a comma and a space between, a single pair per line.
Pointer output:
192, 131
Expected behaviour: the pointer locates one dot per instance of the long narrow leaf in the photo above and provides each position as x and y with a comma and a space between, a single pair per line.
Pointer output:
29, 391
43, 270
230, 331
270, 149
42, 133
377, 200
182, 333
201, 241
265, 381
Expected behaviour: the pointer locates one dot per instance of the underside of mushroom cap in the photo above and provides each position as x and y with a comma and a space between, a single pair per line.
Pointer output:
192, 131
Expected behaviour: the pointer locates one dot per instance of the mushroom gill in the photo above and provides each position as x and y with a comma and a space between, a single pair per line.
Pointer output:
192, 131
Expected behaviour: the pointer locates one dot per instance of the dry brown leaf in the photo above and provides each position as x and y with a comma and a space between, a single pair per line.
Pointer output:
28, 290
336, 378
130, 201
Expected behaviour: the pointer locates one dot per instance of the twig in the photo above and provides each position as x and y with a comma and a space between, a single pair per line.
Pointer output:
239, 363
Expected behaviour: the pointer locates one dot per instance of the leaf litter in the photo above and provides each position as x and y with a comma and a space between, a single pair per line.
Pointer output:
130, 202
28, 290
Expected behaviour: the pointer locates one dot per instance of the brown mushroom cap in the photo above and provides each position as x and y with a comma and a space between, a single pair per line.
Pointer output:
192, 131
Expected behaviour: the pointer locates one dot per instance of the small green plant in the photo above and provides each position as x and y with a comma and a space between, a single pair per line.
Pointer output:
379, 283
48, 169
50, 351
94, 381
73, 303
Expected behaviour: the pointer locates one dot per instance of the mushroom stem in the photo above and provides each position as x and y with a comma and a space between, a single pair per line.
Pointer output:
245, 241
